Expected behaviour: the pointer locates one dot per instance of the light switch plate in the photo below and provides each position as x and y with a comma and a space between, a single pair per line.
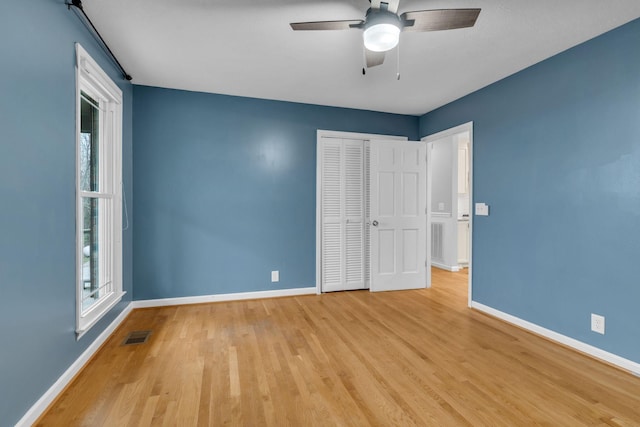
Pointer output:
482, 209
275, 276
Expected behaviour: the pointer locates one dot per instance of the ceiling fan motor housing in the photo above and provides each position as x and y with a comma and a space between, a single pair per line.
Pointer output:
381, 30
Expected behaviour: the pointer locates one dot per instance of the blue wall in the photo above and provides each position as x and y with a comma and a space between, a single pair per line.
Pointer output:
557, 157
37, 199
225, 189
225, 192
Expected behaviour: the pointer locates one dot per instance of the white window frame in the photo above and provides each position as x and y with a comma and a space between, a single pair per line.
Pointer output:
91, 79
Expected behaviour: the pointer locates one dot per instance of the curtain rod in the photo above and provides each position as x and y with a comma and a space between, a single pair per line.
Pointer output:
78, 5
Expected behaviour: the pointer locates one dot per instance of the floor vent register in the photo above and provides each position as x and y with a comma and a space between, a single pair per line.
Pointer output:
137, 337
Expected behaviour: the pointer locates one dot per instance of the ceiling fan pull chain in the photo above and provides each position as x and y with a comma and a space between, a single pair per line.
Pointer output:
398, 63
364, 61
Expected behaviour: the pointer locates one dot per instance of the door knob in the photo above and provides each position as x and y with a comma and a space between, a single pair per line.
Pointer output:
374, 223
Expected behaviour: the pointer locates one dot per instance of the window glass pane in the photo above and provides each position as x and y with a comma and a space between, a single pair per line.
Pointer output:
90, 252
89, 140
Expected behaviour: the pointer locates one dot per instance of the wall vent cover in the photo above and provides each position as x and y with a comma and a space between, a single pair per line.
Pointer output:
136, 337
437, 241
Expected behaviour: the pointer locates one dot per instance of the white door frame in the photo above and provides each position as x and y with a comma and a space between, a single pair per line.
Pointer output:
466, 127
338, 135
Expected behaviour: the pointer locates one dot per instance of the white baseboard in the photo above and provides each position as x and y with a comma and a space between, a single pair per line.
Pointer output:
223, 297
50, 395
590, 350
453, 268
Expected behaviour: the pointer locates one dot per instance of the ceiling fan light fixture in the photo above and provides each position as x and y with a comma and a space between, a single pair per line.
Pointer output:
382, 26
381, 37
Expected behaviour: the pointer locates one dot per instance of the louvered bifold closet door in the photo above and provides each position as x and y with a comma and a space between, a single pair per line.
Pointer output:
332, 198
342, 198
354, 213
367, 215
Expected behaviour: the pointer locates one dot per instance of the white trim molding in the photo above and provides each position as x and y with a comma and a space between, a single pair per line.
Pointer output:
320, 133
223, 297
454, 268
50, 395
595, 352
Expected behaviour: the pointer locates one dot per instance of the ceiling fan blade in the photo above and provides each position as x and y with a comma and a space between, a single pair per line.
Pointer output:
390, 5
326, 25
440, 19
372, 58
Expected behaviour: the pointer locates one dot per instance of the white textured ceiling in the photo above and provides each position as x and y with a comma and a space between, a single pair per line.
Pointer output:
246, 47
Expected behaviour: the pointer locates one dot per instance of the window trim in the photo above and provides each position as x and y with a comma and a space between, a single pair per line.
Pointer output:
91, 78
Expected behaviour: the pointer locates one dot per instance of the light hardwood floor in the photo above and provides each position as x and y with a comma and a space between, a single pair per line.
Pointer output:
348, 358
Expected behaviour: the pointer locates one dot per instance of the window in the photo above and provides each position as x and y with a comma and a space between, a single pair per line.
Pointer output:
98, 193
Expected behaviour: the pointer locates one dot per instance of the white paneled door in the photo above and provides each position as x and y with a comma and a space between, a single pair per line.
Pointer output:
398, 202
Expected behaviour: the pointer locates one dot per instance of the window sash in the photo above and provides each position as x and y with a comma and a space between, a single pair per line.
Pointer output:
96, 195
105, 254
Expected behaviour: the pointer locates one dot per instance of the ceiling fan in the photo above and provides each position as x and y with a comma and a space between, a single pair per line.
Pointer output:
382, 25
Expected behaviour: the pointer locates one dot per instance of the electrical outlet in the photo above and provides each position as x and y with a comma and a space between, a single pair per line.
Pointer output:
275, 276
441, 206
597, 323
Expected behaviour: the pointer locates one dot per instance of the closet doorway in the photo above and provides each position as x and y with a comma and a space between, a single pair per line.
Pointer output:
371, 225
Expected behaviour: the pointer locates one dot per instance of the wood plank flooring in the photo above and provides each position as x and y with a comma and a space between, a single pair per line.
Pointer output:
345, 359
